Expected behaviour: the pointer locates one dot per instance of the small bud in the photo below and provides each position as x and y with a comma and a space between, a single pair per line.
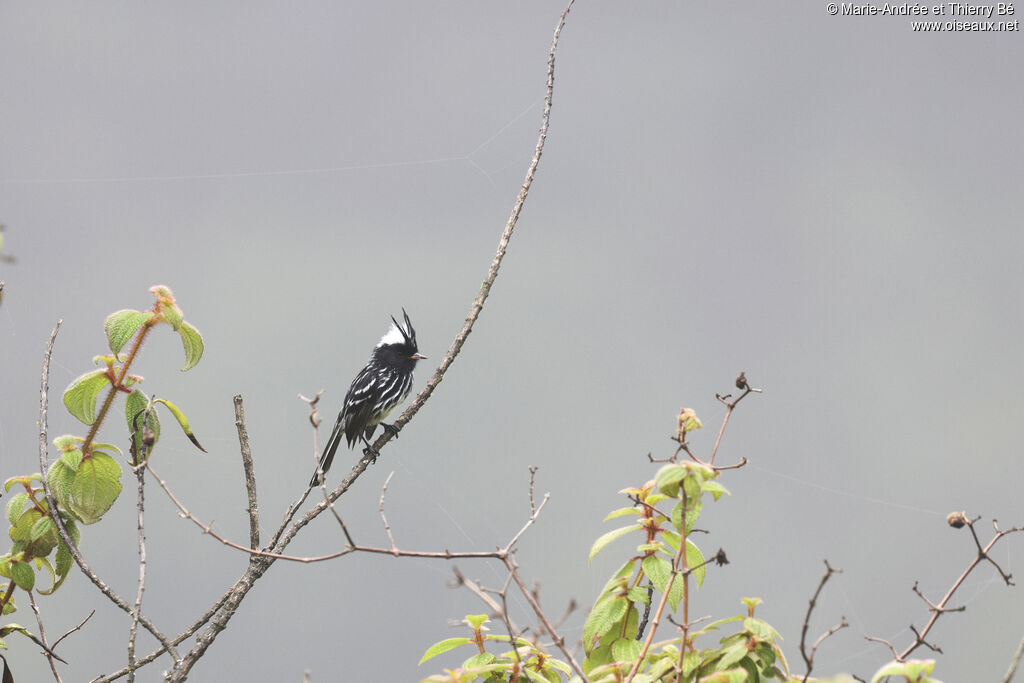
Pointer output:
148, 438
957, 519
741, 381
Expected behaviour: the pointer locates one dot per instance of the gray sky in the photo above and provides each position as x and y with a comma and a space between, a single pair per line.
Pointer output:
830, 203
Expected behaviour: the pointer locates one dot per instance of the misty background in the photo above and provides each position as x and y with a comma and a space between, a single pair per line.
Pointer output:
831, 204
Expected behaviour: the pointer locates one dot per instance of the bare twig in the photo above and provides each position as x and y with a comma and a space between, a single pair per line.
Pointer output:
478, 590
937, 610
492, 273
741, 383
59, 522
314, 416
512, 633
140, 474
387, 527
1014, 663
250, 477
76, 628
558, 640
533, 472
47, 649
883, 641
809, 656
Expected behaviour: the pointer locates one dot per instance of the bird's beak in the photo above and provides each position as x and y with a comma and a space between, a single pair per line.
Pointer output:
417, 356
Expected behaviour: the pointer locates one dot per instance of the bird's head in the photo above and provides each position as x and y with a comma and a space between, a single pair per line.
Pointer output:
399, 343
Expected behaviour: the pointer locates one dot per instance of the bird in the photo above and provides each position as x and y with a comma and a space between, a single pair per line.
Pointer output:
375, 392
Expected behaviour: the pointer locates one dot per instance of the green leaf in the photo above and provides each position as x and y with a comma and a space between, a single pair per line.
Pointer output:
182, 421
917, 670
733, 654
691, 486
15, 506
607, 538
95, 487
475, 621
193, 342
535, 677
730, 676
67, 442
42, 527
637, 594
72, 459
59, 479
632, 622
694, 557
622, 512
713, 626
64, 560
625, 650
22, 528
668, 478
618, 581
658, 570
23, 575
692, 514
43, 562
444, 646
81, 396
715, 489
607, 613
761, 629
8, 629
672, 539
122, 326
598, 657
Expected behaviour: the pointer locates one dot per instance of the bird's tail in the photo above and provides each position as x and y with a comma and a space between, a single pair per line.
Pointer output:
328, 457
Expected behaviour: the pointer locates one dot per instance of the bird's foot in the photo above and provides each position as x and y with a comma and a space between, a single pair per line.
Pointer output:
390, 429
372, 453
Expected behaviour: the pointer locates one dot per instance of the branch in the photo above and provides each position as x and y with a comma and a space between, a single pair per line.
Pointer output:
741, 383
47, 649
1013, 664
140, 473
809, 657
492, 272
958, 520
59, 521
250, 477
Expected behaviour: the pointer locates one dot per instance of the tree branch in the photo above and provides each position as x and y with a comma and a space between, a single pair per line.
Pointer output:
250, 477
809, 656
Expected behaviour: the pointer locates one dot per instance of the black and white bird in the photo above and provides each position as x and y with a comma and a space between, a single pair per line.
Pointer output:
375, 392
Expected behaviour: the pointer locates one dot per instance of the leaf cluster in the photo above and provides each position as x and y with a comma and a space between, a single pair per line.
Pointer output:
85, 479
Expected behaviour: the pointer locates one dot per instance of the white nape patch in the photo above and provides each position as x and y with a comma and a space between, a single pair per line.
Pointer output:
393, 336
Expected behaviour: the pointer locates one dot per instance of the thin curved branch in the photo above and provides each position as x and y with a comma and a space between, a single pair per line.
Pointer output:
492, 272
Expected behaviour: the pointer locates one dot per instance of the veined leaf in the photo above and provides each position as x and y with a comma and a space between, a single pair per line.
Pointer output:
81, 395
122, 326
607, 538
193, 343
444, 646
